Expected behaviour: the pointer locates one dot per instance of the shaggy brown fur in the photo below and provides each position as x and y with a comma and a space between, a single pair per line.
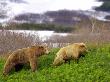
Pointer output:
73, 51
24, 56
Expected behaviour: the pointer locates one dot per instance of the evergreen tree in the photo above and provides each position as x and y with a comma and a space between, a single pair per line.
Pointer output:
105, 6
3, 9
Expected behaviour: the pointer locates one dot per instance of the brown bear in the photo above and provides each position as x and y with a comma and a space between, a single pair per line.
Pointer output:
24, 56
73, 51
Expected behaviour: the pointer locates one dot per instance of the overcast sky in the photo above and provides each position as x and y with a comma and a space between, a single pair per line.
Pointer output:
39, 6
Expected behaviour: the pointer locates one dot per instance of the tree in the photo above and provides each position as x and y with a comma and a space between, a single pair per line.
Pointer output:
93, 22
4, 6
3, 9
105, 6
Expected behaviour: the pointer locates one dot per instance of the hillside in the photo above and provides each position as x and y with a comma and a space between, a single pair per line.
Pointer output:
94, 67
61, 17
58, 21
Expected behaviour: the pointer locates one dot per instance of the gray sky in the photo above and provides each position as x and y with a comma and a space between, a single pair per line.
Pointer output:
39, 6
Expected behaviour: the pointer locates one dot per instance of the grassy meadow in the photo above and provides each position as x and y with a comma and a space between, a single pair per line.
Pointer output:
94, 67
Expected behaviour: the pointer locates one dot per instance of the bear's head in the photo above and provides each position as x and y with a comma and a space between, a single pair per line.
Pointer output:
40, 49
82, 48
43, 49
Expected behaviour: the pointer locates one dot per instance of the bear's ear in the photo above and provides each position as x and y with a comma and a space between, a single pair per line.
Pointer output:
82, 45
34, 45
41, 47
44, 45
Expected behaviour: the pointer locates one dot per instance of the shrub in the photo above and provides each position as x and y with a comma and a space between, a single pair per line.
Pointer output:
10, 41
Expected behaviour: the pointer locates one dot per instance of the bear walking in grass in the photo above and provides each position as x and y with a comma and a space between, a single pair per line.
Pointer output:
24, 56
73, 51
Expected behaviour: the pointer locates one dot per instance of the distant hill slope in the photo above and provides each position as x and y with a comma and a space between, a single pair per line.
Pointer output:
61, 17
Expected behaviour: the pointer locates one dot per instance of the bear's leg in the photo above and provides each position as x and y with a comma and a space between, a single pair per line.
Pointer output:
67, 60
33, 65
7, 68
76, 58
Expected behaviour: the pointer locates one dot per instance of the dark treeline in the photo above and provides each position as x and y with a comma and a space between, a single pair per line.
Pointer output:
32, 26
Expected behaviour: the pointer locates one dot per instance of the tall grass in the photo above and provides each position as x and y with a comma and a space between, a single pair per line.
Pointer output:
95, 38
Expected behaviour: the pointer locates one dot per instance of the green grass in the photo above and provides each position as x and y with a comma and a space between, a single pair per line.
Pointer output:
94, 67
